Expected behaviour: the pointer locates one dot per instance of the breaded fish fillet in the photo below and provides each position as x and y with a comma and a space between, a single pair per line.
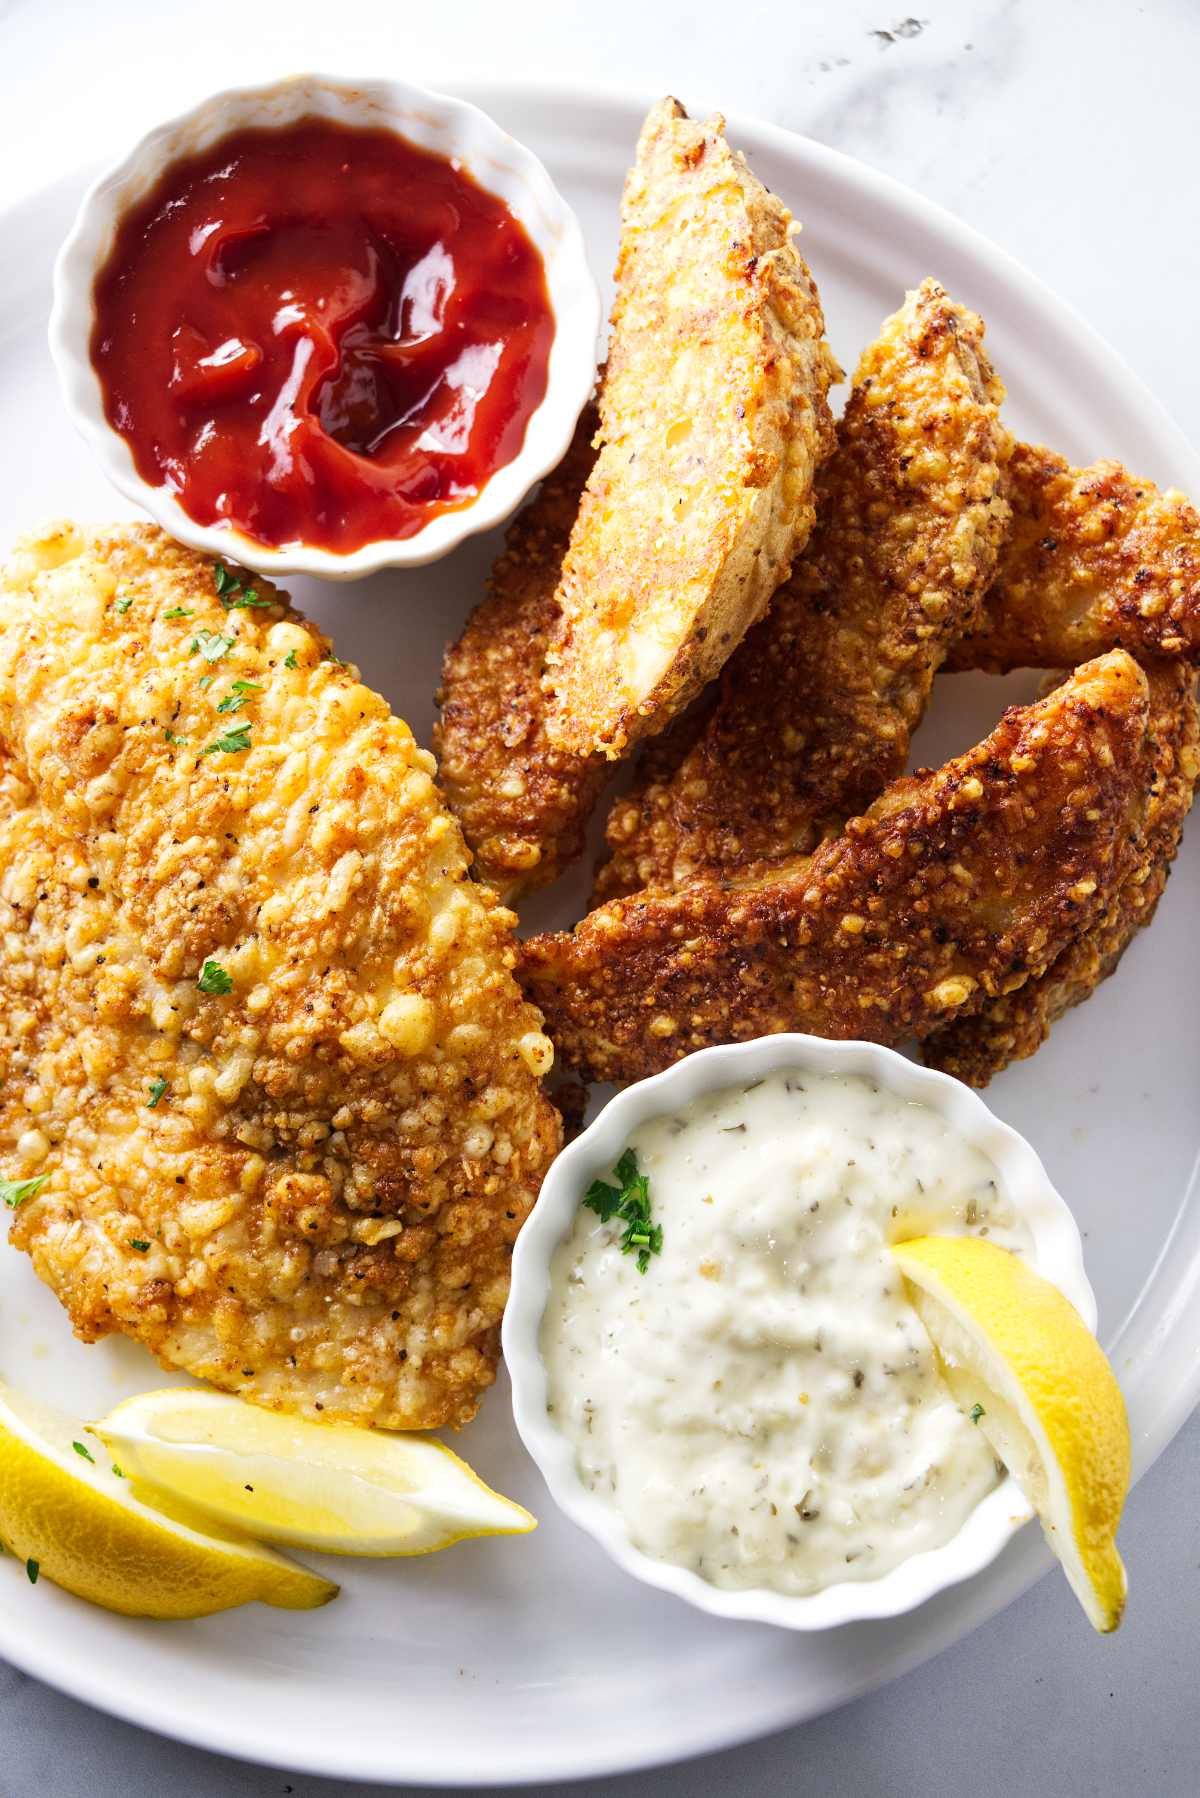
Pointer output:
713, 420
1095, 558
259, 1035
1013, 1025
523, 803
957, 885
815, 710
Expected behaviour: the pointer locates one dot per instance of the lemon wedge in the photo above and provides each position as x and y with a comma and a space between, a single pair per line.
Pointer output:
326, 1486
69, 1516
1018, 1356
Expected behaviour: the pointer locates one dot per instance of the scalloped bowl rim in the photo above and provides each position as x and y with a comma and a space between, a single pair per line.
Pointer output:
501, 165
1057, 1252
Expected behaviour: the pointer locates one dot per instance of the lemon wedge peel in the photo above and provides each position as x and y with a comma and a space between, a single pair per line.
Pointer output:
1010, 1342
333, 1488
88, 1531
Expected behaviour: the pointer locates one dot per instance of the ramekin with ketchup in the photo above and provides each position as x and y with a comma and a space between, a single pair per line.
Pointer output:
326, 326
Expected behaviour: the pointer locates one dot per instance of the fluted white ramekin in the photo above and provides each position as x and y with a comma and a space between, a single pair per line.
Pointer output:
449, 127
1056, 1252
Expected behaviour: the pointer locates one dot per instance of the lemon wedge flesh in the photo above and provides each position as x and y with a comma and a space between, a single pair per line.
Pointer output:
72, 1519
325, 1486
1010, 1343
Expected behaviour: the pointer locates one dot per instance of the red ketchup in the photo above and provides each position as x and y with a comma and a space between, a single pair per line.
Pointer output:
321, 335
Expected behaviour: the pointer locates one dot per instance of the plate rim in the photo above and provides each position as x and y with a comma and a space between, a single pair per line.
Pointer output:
1026, 1559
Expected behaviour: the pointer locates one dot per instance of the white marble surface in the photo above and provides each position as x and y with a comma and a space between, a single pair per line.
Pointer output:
1063, 130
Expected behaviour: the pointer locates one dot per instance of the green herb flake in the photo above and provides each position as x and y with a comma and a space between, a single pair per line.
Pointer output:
214, 978
33, 1568
117, 1471
178, 612
205, 681
976, 1412
629, 1201
85, 1452
123, 606
240, 694
232, 743
211, 645
157, 1089
232, 595
330, 657
15, 1192
142, 1247
289, 660
173, 736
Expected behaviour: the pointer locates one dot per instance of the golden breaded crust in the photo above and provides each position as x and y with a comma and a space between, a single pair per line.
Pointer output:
1095, 558
955, 886
305, 1188
817, 707
523, 803
1014, 1025
713, 420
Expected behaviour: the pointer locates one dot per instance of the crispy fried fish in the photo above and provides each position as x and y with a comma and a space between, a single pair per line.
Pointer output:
523, 803
261, 1051
1013, 1025
815, 711
1095, 559
957, 885
713, 420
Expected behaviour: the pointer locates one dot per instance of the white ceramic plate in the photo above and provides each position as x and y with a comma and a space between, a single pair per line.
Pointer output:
537, 1659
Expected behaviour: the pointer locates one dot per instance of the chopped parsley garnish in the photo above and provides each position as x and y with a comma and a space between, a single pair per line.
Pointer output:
123, 606
15, 1192
117, 1471
172, 736
157, 1089
976, 1412
239, 695
33, 1568
211, 645
232, 743
232, 595
630, 1202
178, 612
85, 1452
214, 978
289, 660
330, 657
205, 681
141, 1246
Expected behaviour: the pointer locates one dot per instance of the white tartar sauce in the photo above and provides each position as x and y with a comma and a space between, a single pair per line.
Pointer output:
762, 1404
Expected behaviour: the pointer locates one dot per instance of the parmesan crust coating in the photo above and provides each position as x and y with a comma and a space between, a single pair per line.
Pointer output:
1012, 1026
1095, 558
523, 802
259, 1028
816, 709
713, 420
957, 885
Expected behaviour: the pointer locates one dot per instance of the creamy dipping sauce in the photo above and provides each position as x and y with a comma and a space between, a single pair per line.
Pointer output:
762, 1405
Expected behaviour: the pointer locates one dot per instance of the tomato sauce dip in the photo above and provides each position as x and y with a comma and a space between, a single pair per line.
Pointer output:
321, 335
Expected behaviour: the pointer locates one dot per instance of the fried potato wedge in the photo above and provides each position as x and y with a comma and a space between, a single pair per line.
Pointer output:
814, 712
713, 421
957, 885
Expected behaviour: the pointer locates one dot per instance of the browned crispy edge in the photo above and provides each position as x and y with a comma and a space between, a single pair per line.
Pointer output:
523, 802
1012, 1026
1095, 558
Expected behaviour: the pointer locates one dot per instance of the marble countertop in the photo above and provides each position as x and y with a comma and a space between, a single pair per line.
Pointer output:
1061, 131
